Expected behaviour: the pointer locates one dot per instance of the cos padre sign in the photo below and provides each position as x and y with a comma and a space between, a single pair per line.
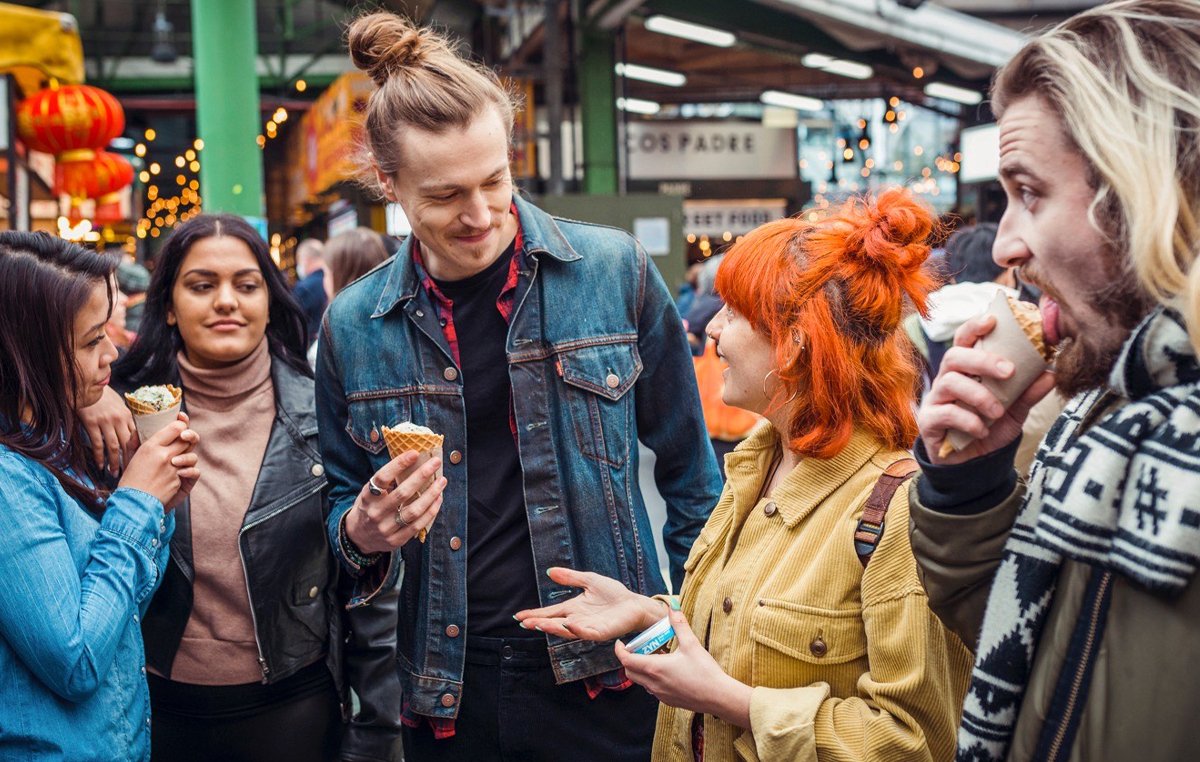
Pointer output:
710, 151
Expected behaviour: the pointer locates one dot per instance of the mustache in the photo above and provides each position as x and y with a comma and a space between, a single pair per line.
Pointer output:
1024, 276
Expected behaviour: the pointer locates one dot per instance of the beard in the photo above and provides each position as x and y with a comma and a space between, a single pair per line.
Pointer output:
1084, 362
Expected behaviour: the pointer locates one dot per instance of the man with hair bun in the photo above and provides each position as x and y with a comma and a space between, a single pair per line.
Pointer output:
486, 328
1075, 585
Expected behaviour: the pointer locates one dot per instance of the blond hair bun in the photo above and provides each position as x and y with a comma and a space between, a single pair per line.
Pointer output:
383, 44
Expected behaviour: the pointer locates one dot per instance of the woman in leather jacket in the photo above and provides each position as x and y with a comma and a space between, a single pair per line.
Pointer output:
244, 637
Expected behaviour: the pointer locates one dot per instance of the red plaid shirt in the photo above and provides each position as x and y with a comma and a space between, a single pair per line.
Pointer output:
617, 681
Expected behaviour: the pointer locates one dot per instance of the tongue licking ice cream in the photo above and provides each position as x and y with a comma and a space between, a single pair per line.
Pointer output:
409, 436
153, 407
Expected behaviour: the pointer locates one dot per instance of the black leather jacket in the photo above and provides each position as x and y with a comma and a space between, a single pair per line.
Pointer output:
293, 582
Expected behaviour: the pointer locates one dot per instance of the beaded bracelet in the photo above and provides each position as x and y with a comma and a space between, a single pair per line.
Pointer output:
356, 557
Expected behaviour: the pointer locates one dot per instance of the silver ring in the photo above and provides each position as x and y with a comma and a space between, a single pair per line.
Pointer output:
374, 488
400, 518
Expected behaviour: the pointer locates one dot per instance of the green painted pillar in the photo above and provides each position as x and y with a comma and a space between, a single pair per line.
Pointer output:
598, 112
225, 50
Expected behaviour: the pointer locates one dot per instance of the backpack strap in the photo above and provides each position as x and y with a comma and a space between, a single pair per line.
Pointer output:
869, 531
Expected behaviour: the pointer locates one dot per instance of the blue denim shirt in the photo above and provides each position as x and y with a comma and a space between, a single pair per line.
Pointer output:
597, 360
72, 592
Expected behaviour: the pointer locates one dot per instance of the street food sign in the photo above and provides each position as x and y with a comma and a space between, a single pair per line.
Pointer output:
710, 150
735, 216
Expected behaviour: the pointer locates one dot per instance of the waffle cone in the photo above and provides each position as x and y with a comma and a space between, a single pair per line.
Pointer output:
399, 441
402, 441
1030, 320
137, 407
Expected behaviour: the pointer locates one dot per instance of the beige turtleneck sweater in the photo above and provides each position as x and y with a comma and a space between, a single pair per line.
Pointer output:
232, 409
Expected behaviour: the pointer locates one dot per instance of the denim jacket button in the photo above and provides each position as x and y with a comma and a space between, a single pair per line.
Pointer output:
613, 380
374, 434
452, 631
450, 374
455, 543
447, 699
455, 457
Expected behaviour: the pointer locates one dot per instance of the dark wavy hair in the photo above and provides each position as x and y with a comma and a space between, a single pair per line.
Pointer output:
151, 359
44, 282
969, 254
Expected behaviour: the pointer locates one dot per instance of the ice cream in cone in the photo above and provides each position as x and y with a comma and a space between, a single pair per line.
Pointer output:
153, 407
421, 440
1018, 337
1030, 320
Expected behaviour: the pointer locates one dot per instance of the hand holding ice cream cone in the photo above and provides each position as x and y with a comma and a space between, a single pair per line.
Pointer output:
409, 437
996, 371
402, 499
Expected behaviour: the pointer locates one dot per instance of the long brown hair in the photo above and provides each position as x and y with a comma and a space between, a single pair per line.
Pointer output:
44, 282
152, 358
352, 254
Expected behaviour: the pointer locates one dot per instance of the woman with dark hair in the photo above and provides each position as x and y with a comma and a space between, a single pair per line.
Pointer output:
804, 631
243, 639
79, 561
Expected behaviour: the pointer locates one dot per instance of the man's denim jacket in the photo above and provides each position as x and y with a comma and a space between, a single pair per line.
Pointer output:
597, 360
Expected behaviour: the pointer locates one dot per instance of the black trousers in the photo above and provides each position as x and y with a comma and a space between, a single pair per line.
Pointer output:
512, 711
297, 719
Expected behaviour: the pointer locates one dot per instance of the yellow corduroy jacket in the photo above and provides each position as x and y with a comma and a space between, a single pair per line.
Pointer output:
846, 663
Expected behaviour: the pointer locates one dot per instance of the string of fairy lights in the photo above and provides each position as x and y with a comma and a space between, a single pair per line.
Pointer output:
171, 200
164, 211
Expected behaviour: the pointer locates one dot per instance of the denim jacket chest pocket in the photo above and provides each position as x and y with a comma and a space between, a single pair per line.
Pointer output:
368, 412
598, 379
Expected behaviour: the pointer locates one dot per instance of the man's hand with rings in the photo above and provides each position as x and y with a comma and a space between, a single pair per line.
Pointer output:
396, 503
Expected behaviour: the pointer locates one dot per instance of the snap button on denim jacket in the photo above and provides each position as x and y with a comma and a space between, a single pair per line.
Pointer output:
597, 359
72, 593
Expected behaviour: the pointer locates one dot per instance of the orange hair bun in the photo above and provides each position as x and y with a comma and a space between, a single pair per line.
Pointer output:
878, 248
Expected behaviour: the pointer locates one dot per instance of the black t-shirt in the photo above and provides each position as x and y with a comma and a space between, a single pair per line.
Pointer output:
500, 573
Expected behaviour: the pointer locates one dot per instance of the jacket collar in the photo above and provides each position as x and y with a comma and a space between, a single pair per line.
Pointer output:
807, 485
294, 396
541, 236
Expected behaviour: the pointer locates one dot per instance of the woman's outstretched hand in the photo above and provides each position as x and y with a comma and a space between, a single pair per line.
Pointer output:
606, 609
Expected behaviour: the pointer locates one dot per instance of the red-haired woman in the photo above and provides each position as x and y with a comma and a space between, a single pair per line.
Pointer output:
789, 645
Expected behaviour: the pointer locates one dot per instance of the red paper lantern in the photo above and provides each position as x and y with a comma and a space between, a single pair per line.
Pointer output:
69, 118
91, 174
108, 209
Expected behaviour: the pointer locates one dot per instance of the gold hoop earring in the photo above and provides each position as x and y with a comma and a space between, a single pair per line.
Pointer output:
768, 395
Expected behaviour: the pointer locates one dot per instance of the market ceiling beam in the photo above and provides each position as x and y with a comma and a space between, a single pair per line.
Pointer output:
972, 45
142, 74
